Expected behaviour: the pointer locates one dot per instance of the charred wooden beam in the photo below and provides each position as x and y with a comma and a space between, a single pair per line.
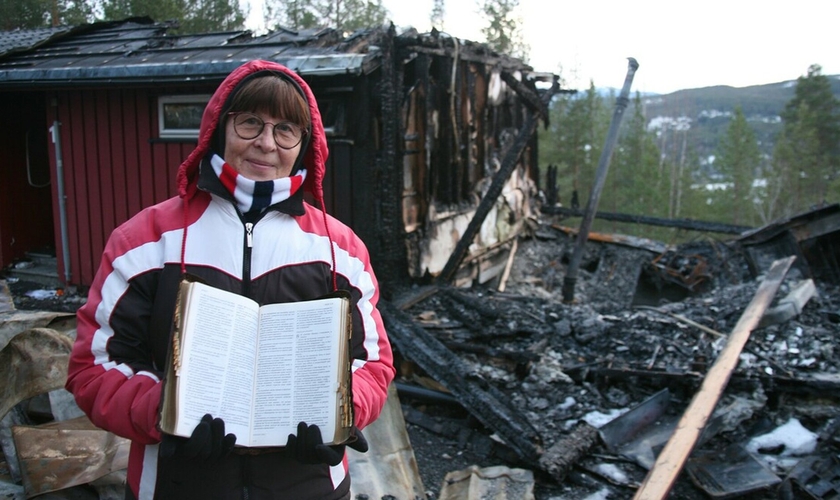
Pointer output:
445, 46
516, 356
528, 95
566, 452
486, 403
509, 162
815, 385
409, 300
472, 303
392, 258
600, 176
690, 224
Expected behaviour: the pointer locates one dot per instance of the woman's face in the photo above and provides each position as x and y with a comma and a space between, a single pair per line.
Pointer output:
260, 158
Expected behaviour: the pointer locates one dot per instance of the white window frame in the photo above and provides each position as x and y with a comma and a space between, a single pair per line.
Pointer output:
179, 133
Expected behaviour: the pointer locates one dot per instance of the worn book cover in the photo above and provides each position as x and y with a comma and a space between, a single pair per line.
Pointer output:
262, 369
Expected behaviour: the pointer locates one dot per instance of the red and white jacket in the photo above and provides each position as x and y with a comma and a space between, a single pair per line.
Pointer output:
293, 252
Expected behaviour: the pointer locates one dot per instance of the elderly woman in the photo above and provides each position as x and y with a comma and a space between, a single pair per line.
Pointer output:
240, 223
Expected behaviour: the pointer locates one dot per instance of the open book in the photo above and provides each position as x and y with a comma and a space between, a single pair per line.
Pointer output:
261, 369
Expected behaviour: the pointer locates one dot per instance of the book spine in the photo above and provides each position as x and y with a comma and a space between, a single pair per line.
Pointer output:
176, 331
346, 387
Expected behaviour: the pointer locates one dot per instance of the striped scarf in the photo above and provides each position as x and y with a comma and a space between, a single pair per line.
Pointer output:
255, 196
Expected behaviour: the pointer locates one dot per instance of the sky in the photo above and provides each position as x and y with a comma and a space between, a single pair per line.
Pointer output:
678, 45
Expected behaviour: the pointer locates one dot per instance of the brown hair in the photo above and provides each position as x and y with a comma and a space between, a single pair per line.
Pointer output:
274, 95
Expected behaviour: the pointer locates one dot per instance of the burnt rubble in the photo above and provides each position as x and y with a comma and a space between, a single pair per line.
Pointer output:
580, 398
541, 377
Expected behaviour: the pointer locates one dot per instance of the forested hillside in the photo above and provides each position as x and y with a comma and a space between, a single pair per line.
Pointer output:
742, 156
708, 111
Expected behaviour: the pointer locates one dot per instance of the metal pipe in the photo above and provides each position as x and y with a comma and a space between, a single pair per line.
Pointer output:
600, 176
62, 205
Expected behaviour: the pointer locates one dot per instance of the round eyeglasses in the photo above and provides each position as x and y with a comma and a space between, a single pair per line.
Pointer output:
248, 126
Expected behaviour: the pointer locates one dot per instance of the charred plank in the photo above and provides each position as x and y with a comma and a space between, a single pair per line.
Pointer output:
566, 452
474, 304
528, 95
691, 224
482, 400
517, 356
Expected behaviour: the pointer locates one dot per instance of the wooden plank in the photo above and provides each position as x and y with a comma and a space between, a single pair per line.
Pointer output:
482, 400
159, 172
670, 461
108, 129
146, 124
131, 162
118, 127
93, 166
71, 134
508, 265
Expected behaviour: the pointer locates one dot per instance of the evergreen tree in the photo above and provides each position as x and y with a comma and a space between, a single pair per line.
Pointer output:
193, 16
437, 14
796, 179
573, 142
159, 10
738, 162
805, 167
503, 31
212, 15
814, 91
24, 14
345, 15
29, 14
635, 167
74, 12
362, 14
292, 14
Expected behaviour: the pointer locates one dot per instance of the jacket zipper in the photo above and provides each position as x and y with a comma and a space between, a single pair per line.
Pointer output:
246, 265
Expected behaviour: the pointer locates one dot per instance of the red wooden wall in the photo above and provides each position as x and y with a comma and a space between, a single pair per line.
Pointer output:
114, 166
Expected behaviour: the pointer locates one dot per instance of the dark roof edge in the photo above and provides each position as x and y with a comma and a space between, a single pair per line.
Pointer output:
309, 65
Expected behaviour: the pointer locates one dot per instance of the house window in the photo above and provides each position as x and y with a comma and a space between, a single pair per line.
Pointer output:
180, 116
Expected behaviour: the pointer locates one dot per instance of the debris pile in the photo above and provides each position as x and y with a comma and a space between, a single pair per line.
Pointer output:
554, 371
505, 389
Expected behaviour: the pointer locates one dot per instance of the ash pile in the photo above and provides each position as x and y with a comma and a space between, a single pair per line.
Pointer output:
586, 394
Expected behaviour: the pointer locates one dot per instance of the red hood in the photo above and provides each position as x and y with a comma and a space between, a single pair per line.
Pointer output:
315, 157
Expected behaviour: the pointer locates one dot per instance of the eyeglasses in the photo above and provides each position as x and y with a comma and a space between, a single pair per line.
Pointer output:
248, 126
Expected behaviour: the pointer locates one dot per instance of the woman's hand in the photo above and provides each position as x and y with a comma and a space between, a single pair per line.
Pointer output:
207, 442
308, 446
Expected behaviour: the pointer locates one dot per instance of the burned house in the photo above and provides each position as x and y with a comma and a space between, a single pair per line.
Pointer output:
580, 399
418, 125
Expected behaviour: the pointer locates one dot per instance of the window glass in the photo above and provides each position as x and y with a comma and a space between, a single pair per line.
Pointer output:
180, 116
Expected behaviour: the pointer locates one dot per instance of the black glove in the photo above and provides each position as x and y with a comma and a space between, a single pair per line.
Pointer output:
308, 447
207, 442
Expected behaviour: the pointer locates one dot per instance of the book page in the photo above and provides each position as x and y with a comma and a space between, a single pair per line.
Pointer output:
297, 367
218, 355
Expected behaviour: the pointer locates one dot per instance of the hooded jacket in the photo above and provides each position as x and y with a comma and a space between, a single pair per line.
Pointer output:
292, 252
